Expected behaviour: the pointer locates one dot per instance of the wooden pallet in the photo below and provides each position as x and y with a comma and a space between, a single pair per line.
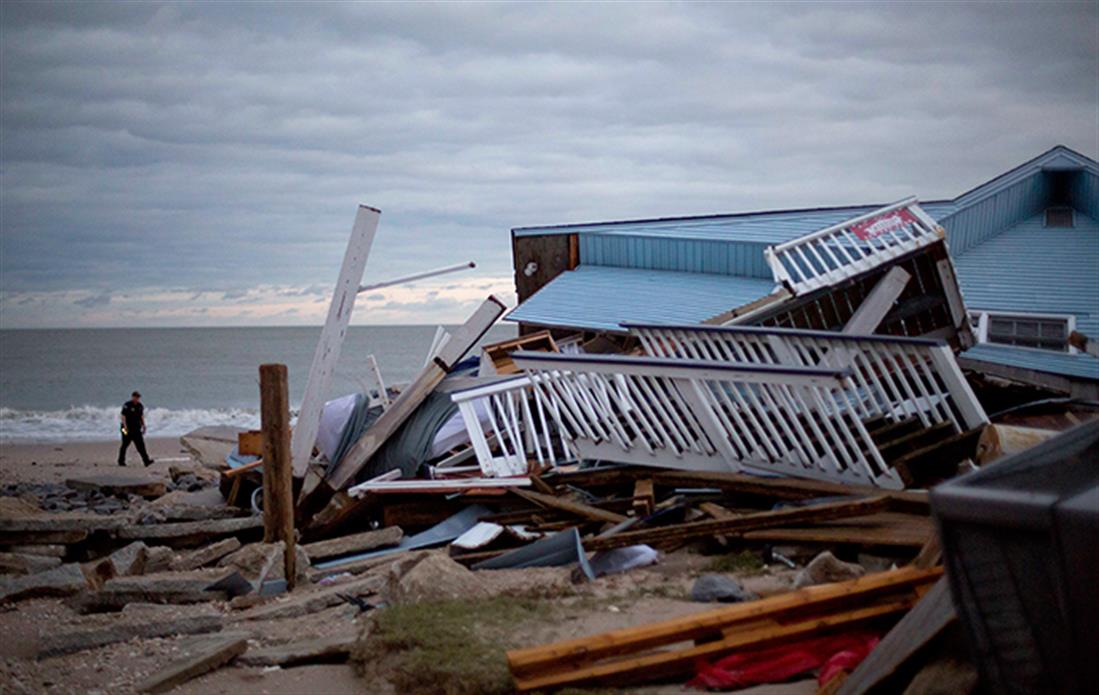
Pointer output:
670, 649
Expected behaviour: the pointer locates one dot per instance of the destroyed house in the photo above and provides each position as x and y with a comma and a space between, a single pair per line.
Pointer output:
1024, 246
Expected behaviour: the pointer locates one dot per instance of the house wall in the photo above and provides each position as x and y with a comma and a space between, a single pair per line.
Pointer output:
984, 219
1085, 194
684, 255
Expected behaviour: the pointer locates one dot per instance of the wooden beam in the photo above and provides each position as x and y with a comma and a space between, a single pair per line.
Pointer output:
880, 300
649, 651
278, 479
644, 499
327, 353
464, 338
375, 376
748, 522
584, 511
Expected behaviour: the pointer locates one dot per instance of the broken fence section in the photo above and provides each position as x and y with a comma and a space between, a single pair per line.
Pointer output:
852, 247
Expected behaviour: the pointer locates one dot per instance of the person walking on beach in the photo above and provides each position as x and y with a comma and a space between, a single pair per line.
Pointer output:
133, 428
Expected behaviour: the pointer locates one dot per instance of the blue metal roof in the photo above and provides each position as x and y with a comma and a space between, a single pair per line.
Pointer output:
760, 227
1076, 366
601, 297
1029, 268
1033, 269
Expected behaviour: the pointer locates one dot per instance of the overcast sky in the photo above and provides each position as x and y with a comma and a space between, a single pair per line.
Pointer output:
200, 164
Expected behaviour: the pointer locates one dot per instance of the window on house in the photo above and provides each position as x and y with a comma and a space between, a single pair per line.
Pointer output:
1059, 217
1023, 330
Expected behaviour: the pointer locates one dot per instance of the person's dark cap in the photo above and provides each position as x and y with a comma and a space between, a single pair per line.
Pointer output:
135, 394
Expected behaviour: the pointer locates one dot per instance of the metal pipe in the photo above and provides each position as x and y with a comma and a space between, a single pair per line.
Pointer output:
417, 276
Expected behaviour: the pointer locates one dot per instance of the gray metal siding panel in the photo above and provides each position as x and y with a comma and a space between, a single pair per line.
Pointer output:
972, 225
680, 255
1085, 194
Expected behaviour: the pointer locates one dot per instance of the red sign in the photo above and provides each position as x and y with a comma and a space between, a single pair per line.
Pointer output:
883, 224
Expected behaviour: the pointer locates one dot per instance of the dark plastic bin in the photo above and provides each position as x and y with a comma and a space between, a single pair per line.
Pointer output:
1020, 541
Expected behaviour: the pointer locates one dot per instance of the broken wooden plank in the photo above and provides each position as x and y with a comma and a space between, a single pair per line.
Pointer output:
464, 338
649, 651
327, 353
355, 543
878, 303
748, 522
644, 499
207, 658
584, 511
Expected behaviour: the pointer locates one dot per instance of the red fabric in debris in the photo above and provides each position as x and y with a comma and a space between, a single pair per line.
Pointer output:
775, 664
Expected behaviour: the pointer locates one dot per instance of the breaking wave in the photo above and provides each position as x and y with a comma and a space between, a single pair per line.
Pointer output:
91, 423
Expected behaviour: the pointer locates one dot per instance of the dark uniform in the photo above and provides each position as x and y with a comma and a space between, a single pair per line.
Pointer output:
132, 413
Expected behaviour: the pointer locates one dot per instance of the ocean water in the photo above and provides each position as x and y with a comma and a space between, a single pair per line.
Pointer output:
68, 385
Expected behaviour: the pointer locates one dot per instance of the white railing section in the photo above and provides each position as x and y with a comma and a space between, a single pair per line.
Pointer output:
708, 415
506, 417
852, 247
895, 377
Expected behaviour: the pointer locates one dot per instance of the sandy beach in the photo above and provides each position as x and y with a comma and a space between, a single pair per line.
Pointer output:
51, 463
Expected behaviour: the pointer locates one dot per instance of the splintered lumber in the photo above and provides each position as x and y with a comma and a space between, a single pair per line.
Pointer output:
464, 338
886, 529
207, 658
327, 354
670, 648
584, 511
644, 499
356, 543
679, 533
278, 494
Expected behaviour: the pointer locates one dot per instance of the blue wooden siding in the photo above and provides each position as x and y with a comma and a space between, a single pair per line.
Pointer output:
976, 223
681, 255
1085, 194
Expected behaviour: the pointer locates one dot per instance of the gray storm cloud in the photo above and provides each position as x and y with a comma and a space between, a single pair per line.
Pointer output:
217, 147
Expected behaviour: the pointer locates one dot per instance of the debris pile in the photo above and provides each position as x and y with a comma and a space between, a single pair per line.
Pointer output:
798, 438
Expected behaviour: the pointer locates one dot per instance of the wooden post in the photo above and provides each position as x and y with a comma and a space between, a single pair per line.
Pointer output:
278, 496
327, 353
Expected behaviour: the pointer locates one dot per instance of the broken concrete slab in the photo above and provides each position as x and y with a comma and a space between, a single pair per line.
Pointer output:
158, 559
306, 601
65, 580
21, 563
260, 562
45, 550
180, 505
168, 582
210, 445
192, 533
205, 556
119, 483
11, 538
61, 522
135, 621
206, 658
124, 561
825, 569
331, 649
434, 577
357, 543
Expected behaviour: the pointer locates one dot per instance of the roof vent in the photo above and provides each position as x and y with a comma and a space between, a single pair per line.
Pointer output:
1059, 217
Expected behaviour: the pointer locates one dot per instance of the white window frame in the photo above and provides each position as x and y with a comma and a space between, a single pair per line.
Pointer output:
983, 317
